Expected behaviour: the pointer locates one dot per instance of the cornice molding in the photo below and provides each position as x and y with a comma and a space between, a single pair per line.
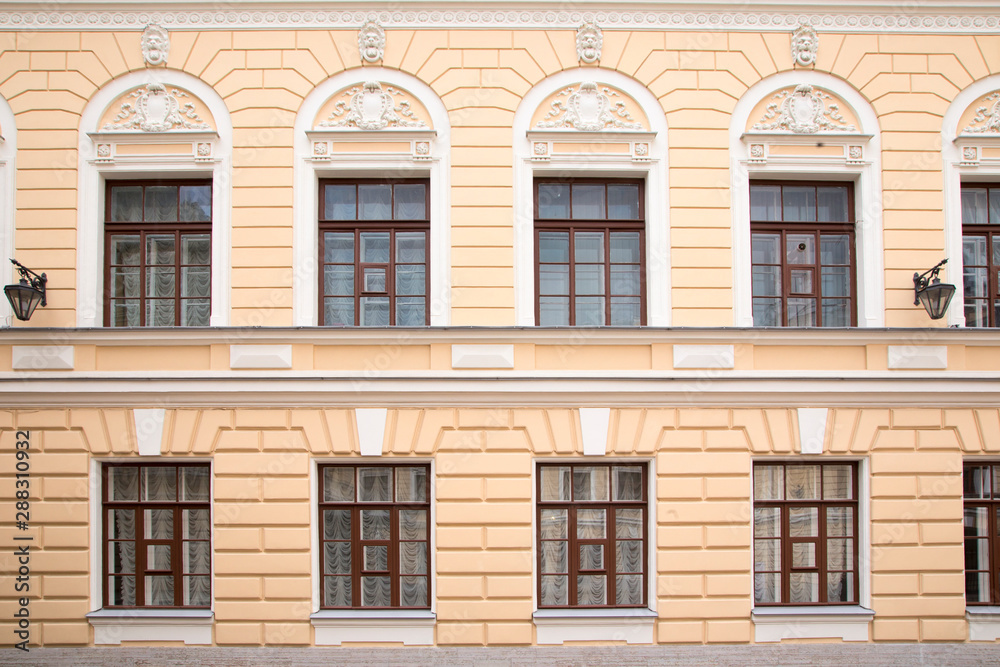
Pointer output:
971, 18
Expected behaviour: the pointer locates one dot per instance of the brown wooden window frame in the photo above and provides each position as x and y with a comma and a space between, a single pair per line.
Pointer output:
142, 542
390, 226
357, 551
178, 228
818, 230
786, 540
572, 225
574, 541
991, 232
988, 501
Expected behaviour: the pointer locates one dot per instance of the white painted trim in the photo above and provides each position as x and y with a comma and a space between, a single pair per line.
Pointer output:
653, 170
42, 357
984, 623
917, 357
812, 430
191, 626
8, 204
260, 356
936, 17
594, 430
482, 356
704, 356
866, 175
410, 628
371, 430
954, 174
437, 166
773, 624
148, 424
93, 174
557, 626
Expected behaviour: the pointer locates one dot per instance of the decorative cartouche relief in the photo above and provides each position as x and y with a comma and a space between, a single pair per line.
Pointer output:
803, 111
155, 44
805, 45
154, 108
987, 119
588, 109
589, 41
371, 42
371, 108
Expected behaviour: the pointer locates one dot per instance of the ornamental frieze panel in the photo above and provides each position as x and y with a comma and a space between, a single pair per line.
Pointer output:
983, 116
803, 109
373, 106
155, 108
589, 107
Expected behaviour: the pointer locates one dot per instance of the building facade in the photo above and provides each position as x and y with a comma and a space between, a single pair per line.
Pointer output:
500, 324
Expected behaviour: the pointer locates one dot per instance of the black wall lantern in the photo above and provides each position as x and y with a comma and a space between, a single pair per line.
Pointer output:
25, 296
930, 291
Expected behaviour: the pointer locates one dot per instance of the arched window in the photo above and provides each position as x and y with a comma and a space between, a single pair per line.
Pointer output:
807, 219
154, 204
591, 228
372, 178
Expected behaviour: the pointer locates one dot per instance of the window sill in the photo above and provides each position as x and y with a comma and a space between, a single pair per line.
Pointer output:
984, 623
849, 623
406, 626
557, 626
113, 626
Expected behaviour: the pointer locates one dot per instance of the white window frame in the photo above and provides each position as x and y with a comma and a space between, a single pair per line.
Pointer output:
633, 625
958, 170
113, 626
435, 165
865, 173
8, 172
652, 168
850, 623
411, 627
95, 172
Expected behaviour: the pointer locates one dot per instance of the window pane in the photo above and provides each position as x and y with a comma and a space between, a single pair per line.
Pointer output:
591, 556
624, 280
840, 554
803, 587
554, 525
803, 554
338, 312
338, 484
411, 484
835, 249
197, 591
554, 557
410, 279
590, 483
195, 203
161, 203
766, 248
159, 591
197, 557
832, 202
800, 281
410, 201
766, 281
121, 557
413, 524
413, 591
123, 483
765, 203
375, 247
373, 279
197, 524
768, 482
766, 312
553, 247
588, 247
410, 311
767, 522
338, 247
553, 311
628, 589
375, 202
340, 202
121, 524
836, 313
840, 587
588, 202
591, 589
766, 588
800, 249
126, 203
374, 524
411, 247
976, 313
803, 482
376, 558
555, 590
553, 279
338, 280
336, 524
626, 311
627, 482
628, 524
375, 485
803, 522
976, 482
374, 311
995, 206
625, 248
376, 591
591, 524
835, 281
589, 311
125, 251
623, 201
977, 587
196, 281
974, 206
974, 251
337, 591
158, 524
840, 521
556, 483
194, 484
799, 203
553, 201
802, 312
628, 556
590, 279
159, 483
837, 482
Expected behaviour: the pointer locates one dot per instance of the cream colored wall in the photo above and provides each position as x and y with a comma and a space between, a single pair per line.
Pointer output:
481, 76
483, 560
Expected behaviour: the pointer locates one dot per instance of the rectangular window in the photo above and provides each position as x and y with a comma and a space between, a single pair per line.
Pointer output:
374, 253
981, 254
590, 245
592, 525
802, 248
374, 536
158, 253
805, 525
982, 527
157, 535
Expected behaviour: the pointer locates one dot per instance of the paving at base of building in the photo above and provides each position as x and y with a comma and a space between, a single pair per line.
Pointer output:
882, 655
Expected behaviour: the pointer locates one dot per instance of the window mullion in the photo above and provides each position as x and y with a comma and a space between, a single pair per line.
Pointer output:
572, 557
